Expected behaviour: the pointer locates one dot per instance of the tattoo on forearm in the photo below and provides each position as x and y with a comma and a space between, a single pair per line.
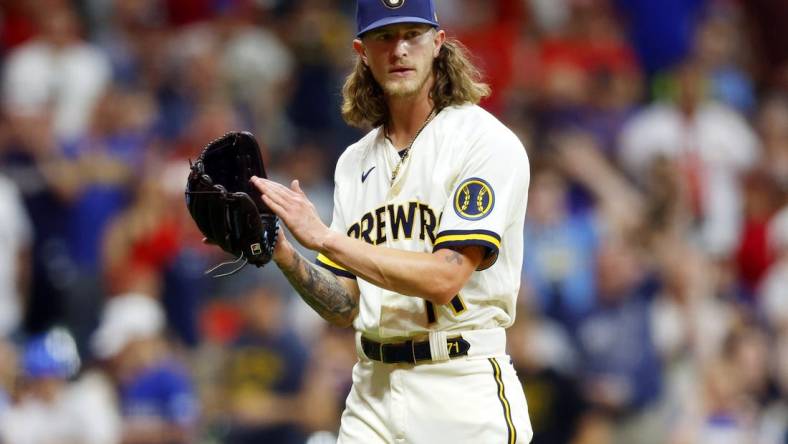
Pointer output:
454, 257
321, 290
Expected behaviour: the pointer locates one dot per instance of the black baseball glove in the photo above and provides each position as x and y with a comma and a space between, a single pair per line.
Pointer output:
227, 208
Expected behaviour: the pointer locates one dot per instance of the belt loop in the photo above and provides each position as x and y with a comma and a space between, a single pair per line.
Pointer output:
439, 348
360, 348
412, 351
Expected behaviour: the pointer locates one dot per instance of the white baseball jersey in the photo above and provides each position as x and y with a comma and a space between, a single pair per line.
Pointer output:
465, 182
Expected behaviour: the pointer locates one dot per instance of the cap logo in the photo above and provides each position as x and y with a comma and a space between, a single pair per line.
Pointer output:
393, 4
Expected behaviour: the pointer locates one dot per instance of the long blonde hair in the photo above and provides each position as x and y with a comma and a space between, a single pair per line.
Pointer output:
457, 82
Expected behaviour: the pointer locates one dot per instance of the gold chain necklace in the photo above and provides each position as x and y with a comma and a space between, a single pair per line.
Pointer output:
404, 156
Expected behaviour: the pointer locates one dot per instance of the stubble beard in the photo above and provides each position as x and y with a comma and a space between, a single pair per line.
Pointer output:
404, 88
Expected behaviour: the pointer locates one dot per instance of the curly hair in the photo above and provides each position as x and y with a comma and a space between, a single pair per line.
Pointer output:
457, 82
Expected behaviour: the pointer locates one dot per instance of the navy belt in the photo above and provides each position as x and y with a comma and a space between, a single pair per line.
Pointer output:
410, 351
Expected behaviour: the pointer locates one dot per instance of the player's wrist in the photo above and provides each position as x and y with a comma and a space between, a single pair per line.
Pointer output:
283, 253
327, 241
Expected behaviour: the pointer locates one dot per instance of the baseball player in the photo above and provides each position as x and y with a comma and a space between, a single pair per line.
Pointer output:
424, 252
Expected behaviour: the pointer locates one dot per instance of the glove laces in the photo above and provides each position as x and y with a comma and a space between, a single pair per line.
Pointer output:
231, 272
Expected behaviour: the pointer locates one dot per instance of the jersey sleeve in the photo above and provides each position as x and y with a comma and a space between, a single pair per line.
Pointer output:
490, 189
338, 224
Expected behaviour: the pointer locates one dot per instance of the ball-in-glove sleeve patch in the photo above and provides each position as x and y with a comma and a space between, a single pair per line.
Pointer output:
474, 199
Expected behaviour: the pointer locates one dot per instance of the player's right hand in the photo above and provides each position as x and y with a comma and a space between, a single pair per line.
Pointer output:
296, 211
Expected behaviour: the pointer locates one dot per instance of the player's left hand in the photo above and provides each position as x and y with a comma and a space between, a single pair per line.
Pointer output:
296, 211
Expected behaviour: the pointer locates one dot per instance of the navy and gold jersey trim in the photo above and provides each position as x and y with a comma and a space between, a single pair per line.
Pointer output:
432, 317
333, 267
456, 304
491, 241
507, 409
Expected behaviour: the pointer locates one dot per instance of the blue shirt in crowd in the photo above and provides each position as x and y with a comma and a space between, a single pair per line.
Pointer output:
163, 391
559, 263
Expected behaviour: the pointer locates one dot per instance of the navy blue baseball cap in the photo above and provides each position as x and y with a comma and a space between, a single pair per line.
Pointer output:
373, 14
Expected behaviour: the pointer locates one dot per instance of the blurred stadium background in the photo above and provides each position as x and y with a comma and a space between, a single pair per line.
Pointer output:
654, 304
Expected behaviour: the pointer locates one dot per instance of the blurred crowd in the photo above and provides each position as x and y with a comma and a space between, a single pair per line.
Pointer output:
654, 300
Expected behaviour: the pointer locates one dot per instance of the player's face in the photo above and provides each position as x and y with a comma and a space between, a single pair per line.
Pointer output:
400, 56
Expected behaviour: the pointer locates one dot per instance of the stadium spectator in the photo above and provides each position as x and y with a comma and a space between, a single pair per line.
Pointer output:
327, 381
712, 146
27, 141
264, 372
317, 34
103, 160
157, 400
257, 68
621, 372
15, 246
720, 50
545, 360
753, 257
558, 263
134, 37
57, 72
589, 75
562, 242
724, 406
93, 175
141, 243
53, 408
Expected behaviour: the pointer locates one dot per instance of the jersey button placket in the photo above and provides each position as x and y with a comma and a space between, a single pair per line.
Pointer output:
399, 407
